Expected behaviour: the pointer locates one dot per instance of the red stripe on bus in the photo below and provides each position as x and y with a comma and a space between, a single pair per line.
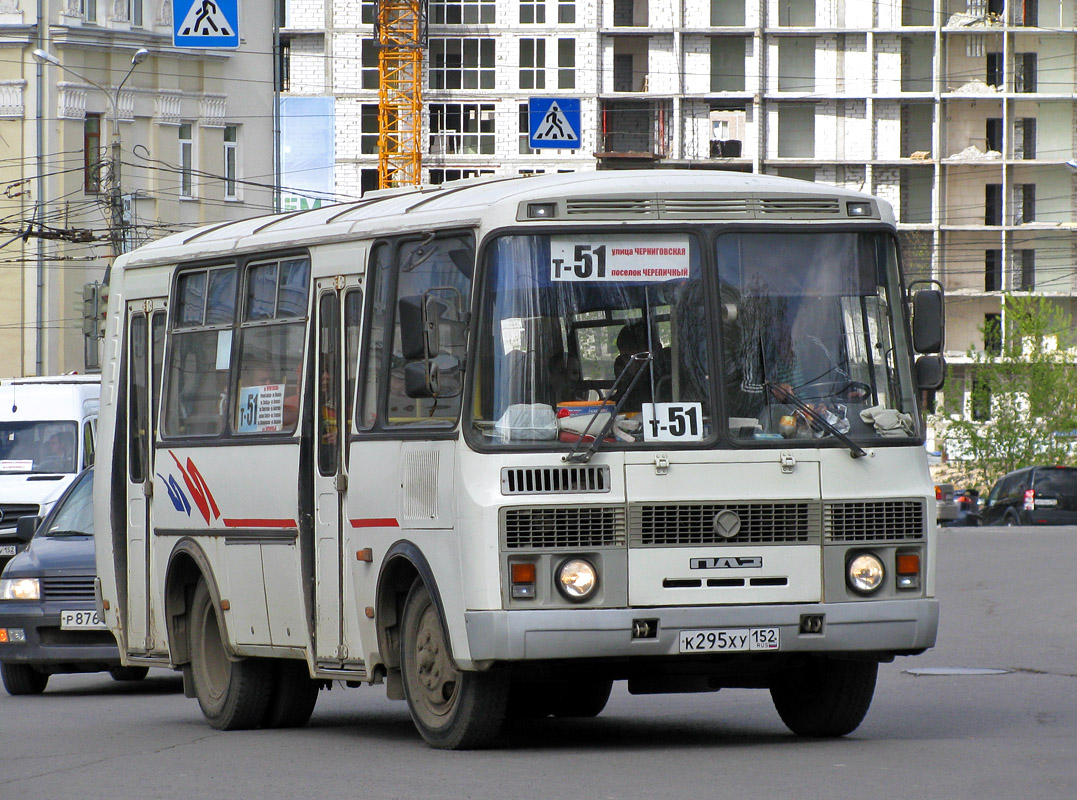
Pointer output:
387, 522
260, 523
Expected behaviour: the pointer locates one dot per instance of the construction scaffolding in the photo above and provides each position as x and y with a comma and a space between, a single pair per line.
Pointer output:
401, 39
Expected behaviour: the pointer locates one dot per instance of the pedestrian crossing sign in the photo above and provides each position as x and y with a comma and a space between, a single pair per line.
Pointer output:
205, 23
554, 122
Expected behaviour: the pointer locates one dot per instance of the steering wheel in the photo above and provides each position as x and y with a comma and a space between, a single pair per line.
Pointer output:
820, 390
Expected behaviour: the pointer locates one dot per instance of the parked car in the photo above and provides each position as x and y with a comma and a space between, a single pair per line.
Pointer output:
968, 509
49, 622
945, 506
1033, 496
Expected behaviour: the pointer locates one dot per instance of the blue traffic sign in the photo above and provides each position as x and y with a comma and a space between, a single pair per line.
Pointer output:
205, 23
554, 122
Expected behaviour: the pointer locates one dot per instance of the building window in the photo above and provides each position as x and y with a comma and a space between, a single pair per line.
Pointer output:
533, 11
532, 63
462, 129
368, 127
368, 12
994, 133
134, 12
566, 63
525, 131
1024, 263
727, 63
992, 270
91, 154
993, 334
462, 63
186, 160
980, 397
993, 204
89, 10
369, 71
284, 66
231, 162
1024, 80
440, 176
566, 12
996, 75
1024, 138
462, 12
1024, 203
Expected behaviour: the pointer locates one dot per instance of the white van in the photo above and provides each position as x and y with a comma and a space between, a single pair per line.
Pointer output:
47, 431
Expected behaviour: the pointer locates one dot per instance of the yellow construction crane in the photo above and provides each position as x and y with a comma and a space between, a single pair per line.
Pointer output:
400, 33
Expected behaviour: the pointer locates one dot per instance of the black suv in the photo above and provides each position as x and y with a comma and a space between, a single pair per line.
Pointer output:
1033, 496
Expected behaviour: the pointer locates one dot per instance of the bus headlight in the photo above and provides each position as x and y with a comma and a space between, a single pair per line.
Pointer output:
20, 589
577, 579
865, 573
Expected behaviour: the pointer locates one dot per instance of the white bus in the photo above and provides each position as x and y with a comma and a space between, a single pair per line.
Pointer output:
496, 445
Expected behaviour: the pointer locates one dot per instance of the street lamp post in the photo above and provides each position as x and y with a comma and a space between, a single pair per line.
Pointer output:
116, 223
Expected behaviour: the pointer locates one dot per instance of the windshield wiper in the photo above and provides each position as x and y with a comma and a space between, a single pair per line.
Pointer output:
583, 456
67, 533
785, 395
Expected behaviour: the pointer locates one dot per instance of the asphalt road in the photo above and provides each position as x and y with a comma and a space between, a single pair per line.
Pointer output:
1009, 605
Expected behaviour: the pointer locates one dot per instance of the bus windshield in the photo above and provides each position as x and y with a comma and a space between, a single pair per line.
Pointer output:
580, 328
810, 319
563, 317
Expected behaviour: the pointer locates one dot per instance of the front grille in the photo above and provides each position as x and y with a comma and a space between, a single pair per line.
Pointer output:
674, 524
555, 480
76, 588
13, 511
873, 520
554, 527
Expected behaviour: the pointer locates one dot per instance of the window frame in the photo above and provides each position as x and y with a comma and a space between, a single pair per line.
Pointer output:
231, 162
185, 148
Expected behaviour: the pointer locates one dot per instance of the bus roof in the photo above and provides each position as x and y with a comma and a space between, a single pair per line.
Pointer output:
604, 196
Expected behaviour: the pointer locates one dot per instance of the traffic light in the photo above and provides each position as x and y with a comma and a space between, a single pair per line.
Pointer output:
94, 309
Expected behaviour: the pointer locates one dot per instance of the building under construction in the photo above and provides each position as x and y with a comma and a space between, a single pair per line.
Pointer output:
961, 113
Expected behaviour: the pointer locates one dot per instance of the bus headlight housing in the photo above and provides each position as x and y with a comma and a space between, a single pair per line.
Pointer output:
576, 579
20, 589
865, 573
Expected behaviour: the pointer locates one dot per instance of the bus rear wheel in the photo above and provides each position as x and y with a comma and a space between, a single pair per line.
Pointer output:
233, 694
452, 709
824, 696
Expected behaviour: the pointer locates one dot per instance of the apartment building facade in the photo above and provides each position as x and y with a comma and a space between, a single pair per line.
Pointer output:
961, 113
195, 135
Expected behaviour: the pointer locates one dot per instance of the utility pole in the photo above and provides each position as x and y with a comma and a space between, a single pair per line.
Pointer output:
117, 226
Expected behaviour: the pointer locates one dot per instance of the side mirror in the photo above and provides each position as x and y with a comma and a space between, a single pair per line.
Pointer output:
421, 379
930, 372
927, 321
25, 528
412, 341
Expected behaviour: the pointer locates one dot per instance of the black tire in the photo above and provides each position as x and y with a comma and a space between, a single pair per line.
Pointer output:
233, 694
22, 678
824, 696
128, 673
1012, 521
580, 698
294, 696
452, 709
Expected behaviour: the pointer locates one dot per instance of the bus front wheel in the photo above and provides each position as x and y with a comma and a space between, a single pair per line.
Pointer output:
452, 709
233, 694
824, 696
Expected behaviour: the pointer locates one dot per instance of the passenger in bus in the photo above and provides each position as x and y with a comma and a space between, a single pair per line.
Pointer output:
566, 379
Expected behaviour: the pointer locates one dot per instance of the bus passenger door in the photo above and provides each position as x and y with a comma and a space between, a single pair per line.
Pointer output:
339, 304
145, 351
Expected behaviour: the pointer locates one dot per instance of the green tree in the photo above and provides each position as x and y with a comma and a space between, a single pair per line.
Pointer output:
1023, 404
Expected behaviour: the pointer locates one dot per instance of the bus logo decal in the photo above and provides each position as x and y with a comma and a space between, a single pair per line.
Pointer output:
199, 489
727, 523
727, 562
175, 493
